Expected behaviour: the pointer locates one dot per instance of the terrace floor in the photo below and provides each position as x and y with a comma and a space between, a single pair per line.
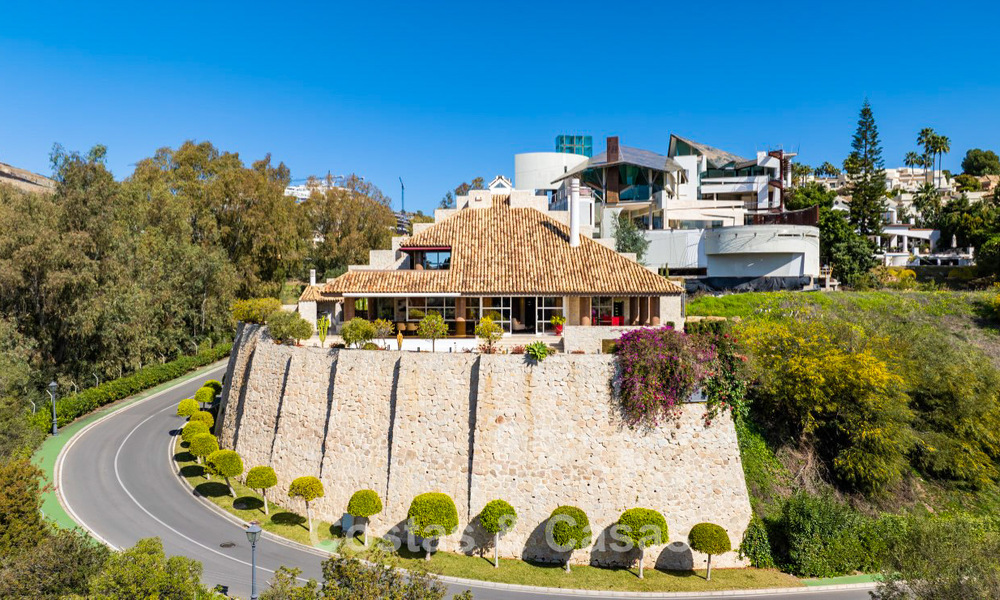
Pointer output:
413, 344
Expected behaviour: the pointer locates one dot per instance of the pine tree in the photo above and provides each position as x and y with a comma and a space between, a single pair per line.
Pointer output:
864, 166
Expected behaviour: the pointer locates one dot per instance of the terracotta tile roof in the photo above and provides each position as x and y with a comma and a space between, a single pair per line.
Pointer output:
312, 293
510, 251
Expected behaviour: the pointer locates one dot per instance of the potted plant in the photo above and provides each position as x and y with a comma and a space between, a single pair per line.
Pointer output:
557, 323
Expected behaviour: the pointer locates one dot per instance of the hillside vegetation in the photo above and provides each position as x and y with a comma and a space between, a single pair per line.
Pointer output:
867, 410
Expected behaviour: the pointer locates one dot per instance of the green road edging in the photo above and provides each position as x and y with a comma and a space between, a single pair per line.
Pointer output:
45, 457
843, 580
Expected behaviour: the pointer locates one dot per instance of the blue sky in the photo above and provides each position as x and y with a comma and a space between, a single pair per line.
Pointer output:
441, 92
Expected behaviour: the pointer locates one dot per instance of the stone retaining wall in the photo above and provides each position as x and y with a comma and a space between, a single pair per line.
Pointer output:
479, 427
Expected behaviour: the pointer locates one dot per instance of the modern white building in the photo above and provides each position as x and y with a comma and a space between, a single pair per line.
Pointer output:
709, 215
719, 175
302, 191
904, 179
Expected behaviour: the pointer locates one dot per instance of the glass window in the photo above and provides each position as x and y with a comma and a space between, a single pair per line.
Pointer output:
547, 307
417, 308
605, 310
437, 260
498, 308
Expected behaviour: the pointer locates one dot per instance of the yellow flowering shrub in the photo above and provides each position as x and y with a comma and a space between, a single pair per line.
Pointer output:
831, 385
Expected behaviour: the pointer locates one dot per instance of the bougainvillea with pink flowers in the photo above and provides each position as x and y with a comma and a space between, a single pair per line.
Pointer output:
658, 369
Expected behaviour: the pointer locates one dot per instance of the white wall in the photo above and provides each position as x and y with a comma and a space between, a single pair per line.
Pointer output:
307, 310
762, 251
745, 251
537, 170
756, 265
676, 248
692, 165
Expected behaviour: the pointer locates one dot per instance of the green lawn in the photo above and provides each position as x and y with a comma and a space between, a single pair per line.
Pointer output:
596, 578
920, 305
248, 506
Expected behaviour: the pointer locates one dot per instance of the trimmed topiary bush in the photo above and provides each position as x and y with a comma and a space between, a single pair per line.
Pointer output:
215, 384
202, 445
568, 529
370, 346
203, 417
709, 538
431, 516
497, 517
363, 504
191, 429
205, 396
308, 488
262, 478
187, 407
644, 527
225, 464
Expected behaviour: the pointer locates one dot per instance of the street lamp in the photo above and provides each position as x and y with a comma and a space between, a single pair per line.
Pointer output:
53, 386
253, 534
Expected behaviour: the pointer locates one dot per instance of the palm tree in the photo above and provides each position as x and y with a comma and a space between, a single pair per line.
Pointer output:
912, 159
942, 146
926, 139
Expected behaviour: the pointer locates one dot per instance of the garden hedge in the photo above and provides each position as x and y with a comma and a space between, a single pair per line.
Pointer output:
756, 546
432, 514
193, 428
708, 326
69, 408
364, 503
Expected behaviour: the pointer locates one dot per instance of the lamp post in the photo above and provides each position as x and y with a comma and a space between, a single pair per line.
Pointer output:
53, 386
253, 534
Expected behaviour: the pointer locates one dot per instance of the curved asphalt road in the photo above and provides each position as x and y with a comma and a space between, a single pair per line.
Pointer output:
117, 480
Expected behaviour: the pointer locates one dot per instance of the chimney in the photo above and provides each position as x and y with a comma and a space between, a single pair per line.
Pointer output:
574, 212
312, 277
612, 144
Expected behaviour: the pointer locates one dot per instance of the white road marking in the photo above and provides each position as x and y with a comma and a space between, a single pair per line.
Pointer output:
154, 517
57, 475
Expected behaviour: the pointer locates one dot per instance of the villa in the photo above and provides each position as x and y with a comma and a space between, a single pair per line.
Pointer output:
712, 217
501, 253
